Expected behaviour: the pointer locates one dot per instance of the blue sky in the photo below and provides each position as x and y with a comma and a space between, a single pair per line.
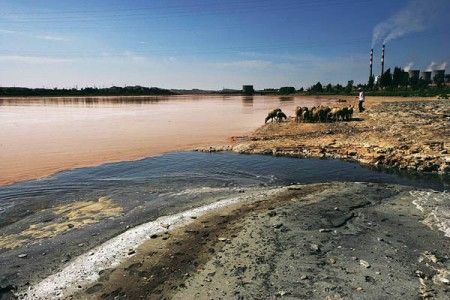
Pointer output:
213, 44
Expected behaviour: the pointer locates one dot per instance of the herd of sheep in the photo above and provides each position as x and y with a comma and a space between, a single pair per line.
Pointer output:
314, 114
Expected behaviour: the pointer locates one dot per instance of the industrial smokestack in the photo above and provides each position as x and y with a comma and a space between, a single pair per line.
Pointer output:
382, 60
370, 63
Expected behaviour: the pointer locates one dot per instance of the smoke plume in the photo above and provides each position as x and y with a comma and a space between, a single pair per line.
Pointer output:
434, 66
408, 67
417, 16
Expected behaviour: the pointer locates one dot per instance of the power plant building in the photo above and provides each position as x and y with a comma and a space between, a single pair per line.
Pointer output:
428, 77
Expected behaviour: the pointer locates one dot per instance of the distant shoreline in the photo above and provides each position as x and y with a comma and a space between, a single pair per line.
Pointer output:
331, 96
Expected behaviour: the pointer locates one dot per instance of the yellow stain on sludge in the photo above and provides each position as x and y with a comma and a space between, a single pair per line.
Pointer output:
67, 217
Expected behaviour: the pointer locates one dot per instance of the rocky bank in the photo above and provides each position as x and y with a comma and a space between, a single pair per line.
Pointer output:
400, 133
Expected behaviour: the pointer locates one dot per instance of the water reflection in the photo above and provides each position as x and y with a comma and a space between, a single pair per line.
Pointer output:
84, 101
286, 98
247, 101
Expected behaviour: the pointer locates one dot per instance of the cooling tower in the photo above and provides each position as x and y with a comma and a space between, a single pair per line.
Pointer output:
426, 76
438, 75
413, 74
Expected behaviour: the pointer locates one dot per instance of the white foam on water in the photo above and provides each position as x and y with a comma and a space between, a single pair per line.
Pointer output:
436, 207
201, 190
84, 269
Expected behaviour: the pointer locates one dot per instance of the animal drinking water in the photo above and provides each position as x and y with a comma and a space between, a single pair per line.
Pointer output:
276, 115
320, 114
323, 114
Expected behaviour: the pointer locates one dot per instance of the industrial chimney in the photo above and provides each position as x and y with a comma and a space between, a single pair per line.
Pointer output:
382, 60
371, 63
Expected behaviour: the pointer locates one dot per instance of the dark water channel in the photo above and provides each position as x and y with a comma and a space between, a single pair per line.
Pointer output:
159, 177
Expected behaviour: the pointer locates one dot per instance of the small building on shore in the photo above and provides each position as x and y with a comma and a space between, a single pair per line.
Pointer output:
248, 90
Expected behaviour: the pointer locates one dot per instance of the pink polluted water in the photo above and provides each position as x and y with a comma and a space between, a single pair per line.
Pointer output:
41, 136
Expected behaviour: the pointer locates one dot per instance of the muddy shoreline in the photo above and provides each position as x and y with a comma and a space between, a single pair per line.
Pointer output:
410, 135
335, 240
310, 241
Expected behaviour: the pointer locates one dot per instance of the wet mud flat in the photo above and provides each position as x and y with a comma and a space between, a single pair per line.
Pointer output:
47, 240
152, 228
335, 240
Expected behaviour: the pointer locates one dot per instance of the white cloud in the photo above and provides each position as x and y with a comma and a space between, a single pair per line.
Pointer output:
278, 56
33, 59
133, 56
245, 64
104, 57
5, 31
51, 38
46, 37
172, 59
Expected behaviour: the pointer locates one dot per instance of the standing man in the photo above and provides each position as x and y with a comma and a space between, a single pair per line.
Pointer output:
361, 100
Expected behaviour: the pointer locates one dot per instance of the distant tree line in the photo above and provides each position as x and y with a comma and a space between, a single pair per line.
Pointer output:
90, 91
397, 83
285, 90
330, 89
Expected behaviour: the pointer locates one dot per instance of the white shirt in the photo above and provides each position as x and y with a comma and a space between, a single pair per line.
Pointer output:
361, 96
